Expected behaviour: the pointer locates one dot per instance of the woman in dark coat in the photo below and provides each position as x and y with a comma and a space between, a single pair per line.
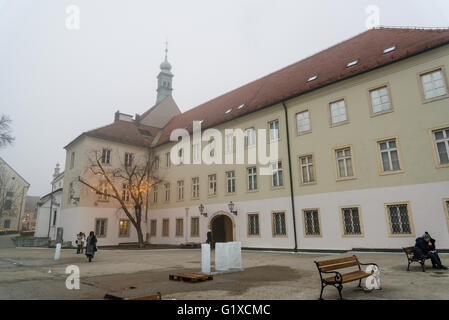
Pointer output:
91, 246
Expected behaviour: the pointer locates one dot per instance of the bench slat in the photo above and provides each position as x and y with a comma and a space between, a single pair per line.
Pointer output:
334, 261
340, 266
351, 276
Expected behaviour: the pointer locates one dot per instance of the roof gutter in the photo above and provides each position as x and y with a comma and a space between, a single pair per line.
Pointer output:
292, 197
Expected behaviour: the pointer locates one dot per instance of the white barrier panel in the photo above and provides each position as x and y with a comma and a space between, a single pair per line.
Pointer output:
221, 256
58, 251
235, 255
205, 258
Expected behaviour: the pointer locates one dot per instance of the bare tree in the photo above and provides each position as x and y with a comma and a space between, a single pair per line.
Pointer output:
5, 132
128, 184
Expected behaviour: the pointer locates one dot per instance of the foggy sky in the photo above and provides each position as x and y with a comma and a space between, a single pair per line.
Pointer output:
56, 83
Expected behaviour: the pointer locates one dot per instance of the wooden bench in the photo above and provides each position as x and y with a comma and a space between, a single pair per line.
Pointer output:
411, 258
326, 267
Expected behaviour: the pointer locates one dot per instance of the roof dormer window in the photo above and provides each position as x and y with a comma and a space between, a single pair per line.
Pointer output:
228, 111
241, 106
389, 49
352, 63
312, 78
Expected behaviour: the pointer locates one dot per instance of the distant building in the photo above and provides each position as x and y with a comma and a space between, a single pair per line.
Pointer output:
13, 194
49, 208
30, 214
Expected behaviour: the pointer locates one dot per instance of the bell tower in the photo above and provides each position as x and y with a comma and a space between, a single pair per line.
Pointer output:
164, 79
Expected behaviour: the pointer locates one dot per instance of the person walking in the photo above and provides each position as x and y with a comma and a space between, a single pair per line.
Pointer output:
91, 246
79, 243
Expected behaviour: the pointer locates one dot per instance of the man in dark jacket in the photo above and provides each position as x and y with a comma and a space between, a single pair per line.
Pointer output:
425, 248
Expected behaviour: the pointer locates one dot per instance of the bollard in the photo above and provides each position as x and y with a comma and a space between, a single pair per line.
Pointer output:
235, 255
205, 258
58, 251
221, 256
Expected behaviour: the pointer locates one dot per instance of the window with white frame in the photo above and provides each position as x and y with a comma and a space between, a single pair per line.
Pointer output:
153, 226
441, 138
167, 192
311, 222
101, 226
212, 184
250, 137
195, 188
125, 192
179, 227
279, 227
351, 221
230, 181
252, 178
274, 129
229, 143
277, 177
106, 156
196, 153
399, 219
307, 169
303, 122
128, 159
123, 228
155, 192
195, 227
433, 84
165, 227
103, 194
380, 100
338, 112
180, 190
72, 160
389, 155
253, 224
344, 163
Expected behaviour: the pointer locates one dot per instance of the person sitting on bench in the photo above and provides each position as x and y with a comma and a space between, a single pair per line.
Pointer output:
425, 248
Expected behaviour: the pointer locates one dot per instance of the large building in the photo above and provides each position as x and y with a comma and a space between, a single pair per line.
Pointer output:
363, 138
13, 195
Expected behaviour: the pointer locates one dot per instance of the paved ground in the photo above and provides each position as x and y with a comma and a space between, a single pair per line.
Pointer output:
27, 273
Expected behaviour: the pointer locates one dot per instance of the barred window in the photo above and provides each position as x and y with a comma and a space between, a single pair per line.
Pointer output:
195, 227
399, 219
279, 228
351, 221
165, 227
153, 227
312, 222
179, 227
253, 224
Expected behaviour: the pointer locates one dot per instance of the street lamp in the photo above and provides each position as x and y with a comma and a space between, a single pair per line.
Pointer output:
201, 208
231, 208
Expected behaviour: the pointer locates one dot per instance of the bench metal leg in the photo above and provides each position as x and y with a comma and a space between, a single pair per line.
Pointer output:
408, 267
360, 283
321, 293
422, 266
340, 287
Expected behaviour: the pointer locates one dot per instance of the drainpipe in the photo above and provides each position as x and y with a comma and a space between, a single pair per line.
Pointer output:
290, 175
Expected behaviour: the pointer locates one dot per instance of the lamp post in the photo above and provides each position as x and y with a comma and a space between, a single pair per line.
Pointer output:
201, 208
231, 208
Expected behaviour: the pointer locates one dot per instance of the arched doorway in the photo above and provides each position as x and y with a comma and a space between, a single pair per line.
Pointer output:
222, 228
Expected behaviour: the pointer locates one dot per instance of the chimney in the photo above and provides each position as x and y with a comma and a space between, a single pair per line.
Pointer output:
56, 171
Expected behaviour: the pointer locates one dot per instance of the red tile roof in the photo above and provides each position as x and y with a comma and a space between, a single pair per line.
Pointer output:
291, 81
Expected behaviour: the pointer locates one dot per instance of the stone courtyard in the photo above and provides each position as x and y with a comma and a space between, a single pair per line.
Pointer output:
31, 273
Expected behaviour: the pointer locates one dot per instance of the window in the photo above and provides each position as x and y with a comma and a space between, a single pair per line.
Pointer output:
212, 147
167, 192
446, 209
351, 221
352, 63
274, 129
311, 222
181, 156
101, 227
441, 140
389, 155
230, 181
312, 78
252, 178
228, 111
8, 204
179, 227
103, 193
72, 160
338, 112
128, 159
279, 228
165, 227
7, 224
345, 168
195, 227
9, 194
153, 227
306, 169
195, 188
156, 162
155, 191
212, 184
241, 106
106, 156
71, 192
123, 228
250, 137
389, 49
433, 84
55, 214
399, 219
229, 143
303, 122
125, 193
253, 224
167, 160
180, 190
277, 178
380, 100
196, 153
